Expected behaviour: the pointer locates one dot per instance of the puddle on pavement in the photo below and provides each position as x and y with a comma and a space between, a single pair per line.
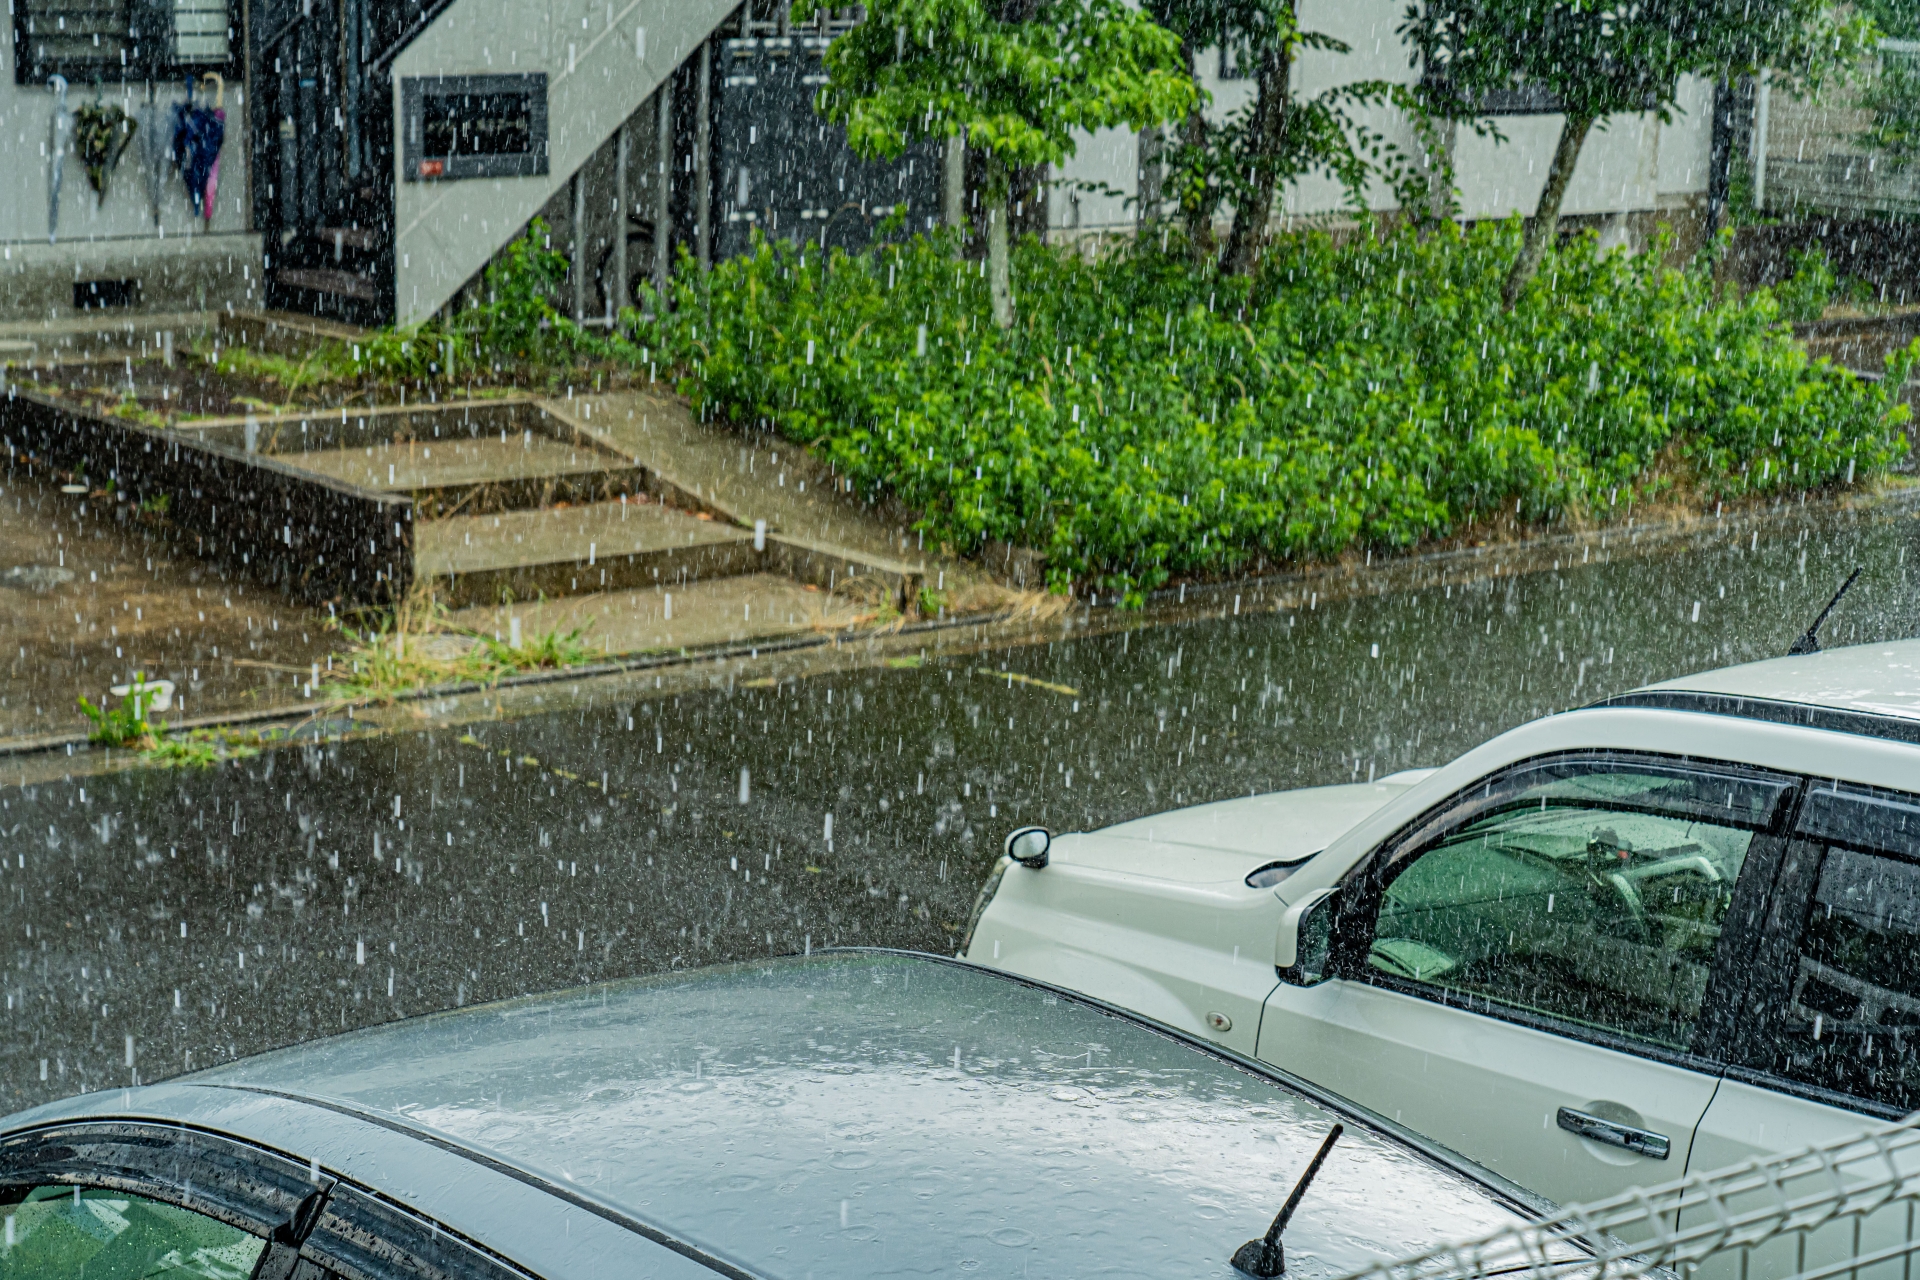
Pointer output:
328, 885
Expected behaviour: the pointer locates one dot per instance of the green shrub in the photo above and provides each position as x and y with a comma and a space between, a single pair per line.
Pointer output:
1146, 419
1805, 295
510, 326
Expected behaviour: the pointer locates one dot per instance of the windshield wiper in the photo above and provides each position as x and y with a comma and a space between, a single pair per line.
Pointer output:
1265, 1257
1810, 642
282, 1254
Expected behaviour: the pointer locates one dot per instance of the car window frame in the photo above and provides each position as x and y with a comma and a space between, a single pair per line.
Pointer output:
362, 1233
1776, 955
1361, 891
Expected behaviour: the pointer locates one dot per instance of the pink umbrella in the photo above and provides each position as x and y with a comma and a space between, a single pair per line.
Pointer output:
198, 135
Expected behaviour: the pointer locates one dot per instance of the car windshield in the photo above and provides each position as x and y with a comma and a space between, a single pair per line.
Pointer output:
873, 1113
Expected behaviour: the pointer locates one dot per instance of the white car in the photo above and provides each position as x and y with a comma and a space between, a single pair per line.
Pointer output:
1673, 930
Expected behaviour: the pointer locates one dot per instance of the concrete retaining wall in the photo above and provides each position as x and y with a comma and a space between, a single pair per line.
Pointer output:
315, 540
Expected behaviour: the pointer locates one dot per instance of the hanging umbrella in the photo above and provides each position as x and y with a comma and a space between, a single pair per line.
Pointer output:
58, 146
198, 135
155, 155
102, 133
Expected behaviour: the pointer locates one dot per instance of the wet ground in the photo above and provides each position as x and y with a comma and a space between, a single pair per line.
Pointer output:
160, 920
91, 592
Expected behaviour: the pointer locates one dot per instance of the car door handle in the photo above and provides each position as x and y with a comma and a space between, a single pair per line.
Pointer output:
1642, 1142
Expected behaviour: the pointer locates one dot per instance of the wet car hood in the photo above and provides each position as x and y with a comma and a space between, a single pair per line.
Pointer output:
1222, 841
882, 1114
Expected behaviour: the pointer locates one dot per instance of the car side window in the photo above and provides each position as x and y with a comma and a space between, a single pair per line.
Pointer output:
1852, 1021
158, 1201
53, 1232
1589, 891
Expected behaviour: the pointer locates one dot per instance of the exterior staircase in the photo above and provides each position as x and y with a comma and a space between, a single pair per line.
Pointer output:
602, 63
514, 500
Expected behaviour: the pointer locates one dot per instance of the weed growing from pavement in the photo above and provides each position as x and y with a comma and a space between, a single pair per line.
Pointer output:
125, 726
414, 647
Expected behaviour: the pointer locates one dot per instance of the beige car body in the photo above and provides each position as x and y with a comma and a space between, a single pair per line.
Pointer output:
1157, 915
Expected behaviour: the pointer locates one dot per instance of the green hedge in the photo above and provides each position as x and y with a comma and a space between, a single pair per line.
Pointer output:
1145, 419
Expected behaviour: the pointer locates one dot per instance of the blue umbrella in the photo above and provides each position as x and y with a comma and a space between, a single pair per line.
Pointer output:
198, 135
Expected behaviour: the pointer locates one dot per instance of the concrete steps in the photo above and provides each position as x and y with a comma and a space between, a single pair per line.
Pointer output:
479, 476
509, 502
561, 551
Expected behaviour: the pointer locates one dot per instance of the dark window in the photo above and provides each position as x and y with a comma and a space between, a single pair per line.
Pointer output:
474, 126
1237, 61
1591, 892
1852, 1022
477, 124
87, 40
94, 295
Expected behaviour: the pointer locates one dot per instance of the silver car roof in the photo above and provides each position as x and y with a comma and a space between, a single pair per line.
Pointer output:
875, 1112
1871, 689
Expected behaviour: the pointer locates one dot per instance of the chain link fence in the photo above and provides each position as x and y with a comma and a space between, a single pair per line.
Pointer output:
1845, 1208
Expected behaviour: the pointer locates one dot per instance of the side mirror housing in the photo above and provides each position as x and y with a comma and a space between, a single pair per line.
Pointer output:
1028, 846
1303, 954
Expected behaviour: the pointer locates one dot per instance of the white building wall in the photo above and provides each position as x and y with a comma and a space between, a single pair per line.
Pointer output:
181, 263
600, 69
1632, 164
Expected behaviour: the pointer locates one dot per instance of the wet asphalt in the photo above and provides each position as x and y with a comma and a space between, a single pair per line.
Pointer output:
162, 920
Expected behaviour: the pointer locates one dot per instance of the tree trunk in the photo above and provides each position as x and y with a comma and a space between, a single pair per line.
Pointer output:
1546, 218
1440, 179
953, 183
1250, 217
1196, 209
999, 260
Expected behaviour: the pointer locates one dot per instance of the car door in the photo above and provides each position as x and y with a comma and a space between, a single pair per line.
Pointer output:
1530, 975
1829, 1040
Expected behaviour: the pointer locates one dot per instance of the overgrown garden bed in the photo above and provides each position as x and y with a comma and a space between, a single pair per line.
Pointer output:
1146, 418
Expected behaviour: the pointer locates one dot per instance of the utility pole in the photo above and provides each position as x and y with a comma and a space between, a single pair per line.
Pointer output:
663, 189
703, 158
617, 299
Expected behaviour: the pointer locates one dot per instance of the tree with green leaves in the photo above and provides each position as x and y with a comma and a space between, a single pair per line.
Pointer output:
1279, 137
1604, 58
1015, 78
1892, 89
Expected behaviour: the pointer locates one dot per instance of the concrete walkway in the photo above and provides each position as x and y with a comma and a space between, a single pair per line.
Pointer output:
759, 606
747, 478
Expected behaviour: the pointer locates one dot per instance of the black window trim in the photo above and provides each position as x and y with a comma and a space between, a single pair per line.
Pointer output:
1813, 1093
1356, 906
31, 70
165, 1137
1802, 715
414, 92
1789, 904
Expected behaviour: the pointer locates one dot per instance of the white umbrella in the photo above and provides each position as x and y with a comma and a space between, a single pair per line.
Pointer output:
60, 146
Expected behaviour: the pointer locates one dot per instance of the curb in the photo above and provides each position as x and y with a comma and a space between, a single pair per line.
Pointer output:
638, 662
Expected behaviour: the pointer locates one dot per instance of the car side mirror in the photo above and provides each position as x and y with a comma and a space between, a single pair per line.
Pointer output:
1028, 846
1304, 952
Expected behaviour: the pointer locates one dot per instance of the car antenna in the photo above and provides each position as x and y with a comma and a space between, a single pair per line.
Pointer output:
1810, 642
1265, 1257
